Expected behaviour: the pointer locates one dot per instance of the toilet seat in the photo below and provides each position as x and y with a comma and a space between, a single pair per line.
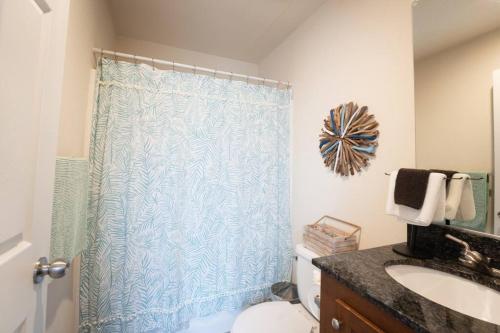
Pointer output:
272, 317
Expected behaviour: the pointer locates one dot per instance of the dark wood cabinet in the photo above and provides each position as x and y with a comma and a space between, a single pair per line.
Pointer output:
353, 314
351, 321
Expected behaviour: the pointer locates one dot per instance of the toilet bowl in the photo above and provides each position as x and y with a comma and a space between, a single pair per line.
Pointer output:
282, 316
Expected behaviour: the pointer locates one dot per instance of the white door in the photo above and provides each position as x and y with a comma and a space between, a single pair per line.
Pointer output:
496, 145
32, 45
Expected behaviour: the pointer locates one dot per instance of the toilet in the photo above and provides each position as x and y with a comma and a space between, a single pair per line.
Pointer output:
282, 316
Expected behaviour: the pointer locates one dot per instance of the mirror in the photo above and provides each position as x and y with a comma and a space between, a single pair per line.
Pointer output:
456, 53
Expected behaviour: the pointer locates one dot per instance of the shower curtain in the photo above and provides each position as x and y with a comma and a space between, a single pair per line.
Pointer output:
188, 198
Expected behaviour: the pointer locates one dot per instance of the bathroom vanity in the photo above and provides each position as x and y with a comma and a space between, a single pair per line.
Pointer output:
360, 291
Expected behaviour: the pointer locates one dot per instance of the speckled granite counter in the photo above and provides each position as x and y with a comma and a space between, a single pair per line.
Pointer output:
364, 272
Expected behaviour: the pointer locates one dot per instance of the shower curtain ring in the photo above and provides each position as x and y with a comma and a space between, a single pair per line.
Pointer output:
264, 81
247, 79
153, 63
194, 70
173, 66
231, 77
135, 59
115, 56
215, 73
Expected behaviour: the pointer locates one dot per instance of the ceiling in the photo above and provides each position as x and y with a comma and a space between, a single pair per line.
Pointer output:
246, 30
440, 24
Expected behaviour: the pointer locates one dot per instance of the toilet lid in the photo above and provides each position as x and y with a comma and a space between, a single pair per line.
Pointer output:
271, 317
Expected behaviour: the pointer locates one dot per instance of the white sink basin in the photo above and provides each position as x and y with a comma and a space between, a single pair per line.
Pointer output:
451, 291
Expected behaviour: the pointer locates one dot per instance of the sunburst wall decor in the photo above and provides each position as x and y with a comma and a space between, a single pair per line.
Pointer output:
349, 139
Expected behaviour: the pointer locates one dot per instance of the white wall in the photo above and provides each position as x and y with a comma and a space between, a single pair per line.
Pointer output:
165, 52
349, 51
89, 25
453, 104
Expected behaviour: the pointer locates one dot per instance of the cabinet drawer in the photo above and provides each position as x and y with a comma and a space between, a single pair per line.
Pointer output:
351, 321
356, 314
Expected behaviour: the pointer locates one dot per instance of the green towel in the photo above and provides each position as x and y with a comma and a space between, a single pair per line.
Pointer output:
69, 208
481, 197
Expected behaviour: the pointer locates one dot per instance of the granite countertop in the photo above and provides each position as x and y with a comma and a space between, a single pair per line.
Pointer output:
364, 272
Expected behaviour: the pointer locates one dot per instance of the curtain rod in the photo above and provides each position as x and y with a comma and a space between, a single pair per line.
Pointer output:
174, 65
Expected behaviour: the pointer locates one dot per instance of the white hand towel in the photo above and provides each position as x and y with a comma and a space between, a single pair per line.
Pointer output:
460, 199
433, 208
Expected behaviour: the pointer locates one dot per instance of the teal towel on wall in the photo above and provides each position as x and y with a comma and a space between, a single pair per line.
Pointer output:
481, 201
69, 208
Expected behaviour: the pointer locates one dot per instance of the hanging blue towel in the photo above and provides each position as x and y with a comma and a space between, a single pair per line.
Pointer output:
69, 208
480, 188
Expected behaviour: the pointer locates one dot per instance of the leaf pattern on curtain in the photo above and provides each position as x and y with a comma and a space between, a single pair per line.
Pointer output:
188, 198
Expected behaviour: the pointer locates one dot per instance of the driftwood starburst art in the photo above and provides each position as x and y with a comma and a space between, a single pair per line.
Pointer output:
349, 139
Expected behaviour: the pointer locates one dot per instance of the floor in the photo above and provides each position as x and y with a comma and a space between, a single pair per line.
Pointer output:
309, 317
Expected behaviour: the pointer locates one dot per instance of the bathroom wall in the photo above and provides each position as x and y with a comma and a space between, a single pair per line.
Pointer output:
349, 51
454, 105
90, 25
345, 51
160, 51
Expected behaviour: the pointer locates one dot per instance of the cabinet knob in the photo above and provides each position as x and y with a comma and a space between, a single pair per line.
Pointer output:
336, 324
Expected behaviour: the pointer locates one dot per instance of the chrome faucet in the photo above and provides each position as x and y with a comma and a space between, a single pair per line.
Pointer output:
473, 259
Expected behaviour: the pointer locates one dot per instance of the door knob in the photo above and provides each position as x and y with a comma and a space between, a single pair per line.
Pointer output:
56, 269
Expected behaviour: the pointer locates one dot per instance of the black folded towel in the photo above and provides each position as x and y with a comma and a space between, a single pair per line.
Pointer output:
411, 186
448, 173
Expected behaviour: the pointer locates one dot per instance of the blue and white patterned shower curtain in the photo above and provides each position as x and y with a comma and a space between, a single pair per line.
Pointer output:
189, 198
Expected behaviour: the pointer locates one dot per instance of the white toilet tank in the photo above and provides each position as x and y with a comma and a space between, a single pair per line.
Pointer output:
308, 279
